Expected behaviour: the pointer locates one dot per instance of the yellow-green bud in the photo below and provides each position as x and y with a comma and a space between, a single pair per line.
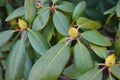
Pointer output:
73, 32
22, 24
110, 60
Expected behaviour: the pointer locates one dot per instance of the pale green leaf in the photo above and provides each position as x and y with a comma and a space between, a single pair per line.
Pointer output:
94, 74
95, 37
19, 12
101, 51
28, 66
5, 36
51, 64
41, 20
37, 41
79, 10
87, 23
112, 10
115, 70
16, 61
69, 8
118, 8
83, 60
72, 72
30, 10
61, 23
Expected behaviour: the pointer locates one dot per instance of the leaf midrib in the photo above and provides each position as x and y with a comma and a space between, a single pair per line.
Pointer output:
61, 22
98, 39
37, 40
52, 61
15, 60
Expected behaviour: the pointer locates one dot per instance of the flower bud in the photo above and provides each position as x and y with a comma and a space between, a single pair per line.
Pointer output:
73, 32
110, 60
22, 24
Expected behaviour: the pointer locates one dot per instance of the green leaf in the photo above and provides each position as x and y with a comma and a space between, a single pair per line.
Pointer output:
30, 10
117, 47
41, 20
118, 8
115, 70
37, 41
83, 60
54, 1
69, 8
28, 66
94, 74
48, 31
51, 64
112, 10
87, 23
95, 37
16, 61
61, 23
79, 10
71, 72
5, 36
19, 12
9, 8
101, 51
1, 3
110, 78
109, 19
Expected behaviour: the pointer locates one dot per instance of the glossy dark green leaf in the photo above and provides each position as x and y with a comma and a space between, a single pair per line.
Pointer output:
83, 60
16, 62
41, 20
37, 41
94, 74
79, 10
30, 10
87, 23
101, 51
51, 64
5, 36
72, 72
115, 70
69, 8
61, 23
118, 8
112, 10
19, 12
95, 37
